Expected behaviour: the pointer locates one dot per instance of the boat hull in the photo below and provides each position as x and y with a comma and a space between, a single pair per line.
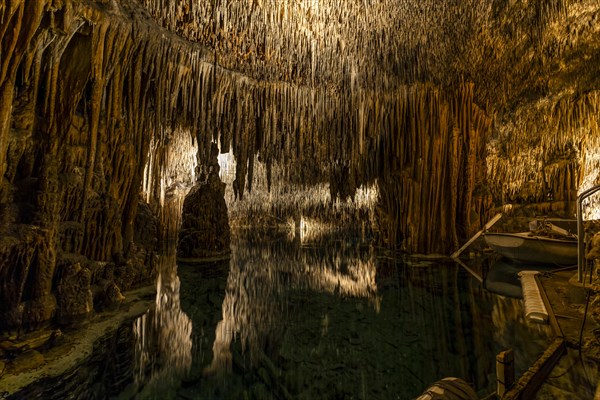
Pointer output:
526, 248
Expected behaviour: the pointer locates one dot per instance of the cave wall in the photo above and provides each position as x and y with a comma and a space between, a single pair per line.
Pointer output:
537, 66
105, 106
83, 97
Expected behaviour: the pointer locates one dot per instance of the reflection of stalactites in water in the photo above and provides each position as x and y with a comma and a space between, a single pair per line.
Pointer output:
261, 279
164, 335
174, 325
221, 349
163, 346
142, 353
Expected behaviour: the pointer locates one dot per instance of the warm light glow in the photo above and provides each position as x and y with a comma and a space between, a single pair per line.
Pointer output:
226, 165
171, 163
283, 200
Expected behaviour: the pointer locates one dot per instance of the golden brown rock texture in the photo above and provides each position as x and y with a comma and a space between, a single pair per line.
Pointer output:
449, 105
438, 144
72, 156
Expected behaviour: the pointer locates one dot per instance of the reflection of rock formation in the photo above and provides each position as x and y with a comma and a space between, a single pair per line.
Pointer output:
253, 307
164, 335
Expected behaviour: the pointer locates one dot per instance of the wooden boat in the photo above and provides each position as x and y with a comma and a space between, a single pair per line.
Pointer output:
527, 247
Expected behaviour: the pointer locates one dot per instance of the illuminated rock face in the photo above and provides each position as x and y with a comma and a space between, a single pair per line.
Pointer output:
452, 107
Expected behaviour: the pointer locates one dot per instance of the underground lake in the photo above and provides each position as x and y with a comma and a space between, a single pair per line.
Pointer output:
288, 320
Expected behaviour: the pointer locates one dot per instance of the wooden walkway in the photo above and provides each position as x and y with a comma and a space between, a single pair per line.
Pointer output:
564, 302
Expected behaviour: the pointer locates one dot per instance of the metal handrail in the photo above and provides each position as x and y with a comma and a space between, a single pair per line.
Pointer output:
580, 235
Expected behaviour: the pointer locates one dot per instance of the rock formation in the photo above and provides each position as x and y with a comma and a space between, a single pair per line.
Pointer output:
204, 232
452, 108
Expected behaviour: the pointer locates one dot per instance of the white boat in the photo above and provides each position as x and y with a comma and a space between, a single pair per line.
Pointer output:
526, 247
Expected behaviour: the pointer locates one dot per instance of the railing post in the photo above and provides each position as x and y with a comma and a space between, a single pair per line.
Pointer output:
580, 240
505, 372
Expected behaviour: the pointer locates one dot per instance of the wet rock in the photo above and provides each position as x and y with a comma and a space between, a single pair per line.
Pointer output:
75, 299
127, 274
34, 340
113, 295
110, 298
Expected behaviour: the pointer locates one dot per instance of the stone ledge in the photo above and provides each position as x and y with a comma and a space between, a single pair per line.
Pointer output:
79, 344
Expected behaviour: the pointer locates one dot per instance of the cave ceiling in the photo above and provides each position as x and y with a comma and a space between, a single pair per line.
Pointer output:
509, 49
283, 79
531, 63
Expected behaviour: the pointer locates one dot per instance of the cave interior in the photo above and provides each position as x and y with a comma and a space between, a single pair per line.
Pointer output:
134, 128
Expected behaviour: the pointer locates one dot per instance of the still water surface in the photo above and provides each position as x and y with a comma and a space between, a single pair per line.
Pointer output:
333, 320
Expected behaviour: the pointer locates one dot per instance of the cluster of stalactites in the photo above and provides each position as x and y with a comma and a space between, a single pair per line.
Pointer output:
431, 160
88, 96
369, 44
139, 86
548, 161
143, 83
425, 148
148, 74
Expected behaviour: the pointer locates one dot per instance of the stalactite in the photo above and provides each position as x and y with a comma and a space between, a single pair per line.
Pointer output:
552, 139
307, 87
22, 20
441, 151
328, 42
